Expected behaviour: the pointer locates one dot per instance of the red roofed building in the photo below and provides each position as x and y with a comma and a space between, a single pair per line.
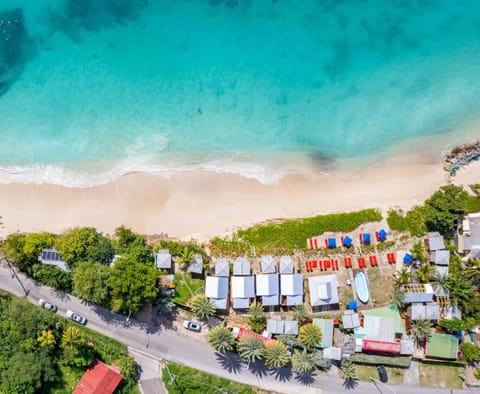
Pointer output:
99, 378
381, 346
241, 332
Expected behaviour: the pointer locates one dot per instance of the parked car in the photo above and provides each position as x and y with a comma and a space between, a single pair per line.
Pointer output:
76, 317
47, 305
382, 373
191, 325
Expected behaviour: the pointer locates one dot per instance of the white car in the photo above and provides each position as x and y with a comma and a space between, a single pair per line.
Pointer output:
191, 325
47, 305
76, 317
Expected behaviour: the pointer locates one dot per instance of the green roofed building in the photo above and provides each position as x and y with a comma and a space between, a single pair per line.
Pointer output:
442, 346
326, 327
388, 311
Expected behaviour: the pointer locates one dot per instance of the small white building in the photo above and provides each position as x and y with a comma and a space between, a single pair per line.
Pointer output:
286, 265
216, 288
267, 288
163, 259
243, 291
323, 291
222, 268
196, 267
241, 266
267, 263
291, 288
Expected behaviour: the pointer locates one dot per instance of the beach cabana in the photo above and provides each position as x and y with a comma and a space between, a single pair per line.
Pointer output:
347, 241
331, 243
216, 288
286, 265
267, 263
197, 266
243, 290
268, 288
323, 291
241, 266
291, 288
407, 259
163, 259
222, 268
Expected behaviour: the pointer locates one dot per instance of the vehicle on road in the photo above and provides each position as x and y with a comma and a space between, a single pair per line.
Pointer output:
76, 317
191, 325
47, 305
382, 373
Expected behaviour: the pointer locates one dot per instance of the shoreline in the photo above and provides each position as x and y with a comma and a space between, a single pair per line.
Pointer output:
201, 204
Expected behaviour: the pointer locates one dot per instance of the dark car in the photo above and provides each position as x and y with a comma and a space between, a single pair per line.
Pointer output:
382, 373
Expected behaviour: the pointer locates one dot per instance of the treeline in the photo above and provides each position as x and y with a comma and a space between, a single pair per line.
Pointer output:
41, 352
117, 273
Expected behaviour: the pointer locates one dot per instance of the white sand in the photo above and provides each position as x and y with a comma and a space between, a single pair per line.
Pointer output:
203, 204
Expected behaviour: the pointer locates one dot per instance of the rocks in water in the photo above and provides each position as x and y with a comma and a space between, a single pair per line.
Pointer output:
461, 156
13, 38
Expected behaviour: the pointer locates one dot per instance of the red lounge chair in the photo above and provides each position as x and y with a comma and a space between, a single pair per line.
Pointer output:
361, 262
326, 243
376, 236
314, 263
320, 265
315, 243
348, 262
360, 237
335, 263
307, 266
326, 264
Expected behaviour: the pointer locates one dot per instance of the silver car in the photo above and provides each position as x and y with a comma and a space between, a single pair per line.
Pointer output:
191, 325
47, 305
76, 317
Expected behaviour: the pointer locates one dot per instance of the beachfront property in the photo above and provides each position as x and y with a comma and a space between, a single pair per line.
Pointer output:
52, 257
468, 236
323, 292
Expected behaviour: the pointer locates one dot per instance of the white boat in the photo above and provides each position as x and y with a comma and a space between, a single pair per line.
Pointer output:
361, 286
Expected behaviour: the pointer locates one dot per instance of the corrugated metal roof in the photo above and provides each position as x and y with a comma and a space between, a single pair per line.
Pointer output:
99, 379
291, 284
326, 327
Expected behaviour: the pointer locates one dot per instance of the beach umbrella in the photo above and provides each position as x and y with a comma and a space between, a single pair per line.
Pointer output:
366, 239
332, 243
382, 235
352, 305
407, 259
347, 241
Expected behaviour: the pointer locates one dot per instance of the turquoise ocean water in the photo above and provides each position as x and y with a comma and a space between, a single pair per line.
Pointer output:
91, 90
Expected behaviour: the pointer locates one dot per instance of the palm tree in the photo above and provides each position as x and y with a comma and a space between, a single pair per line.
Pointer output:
441, 283
420, 329
310, 335
221, 339
425, 272
276, 354
250, 347
403, 277
301, 313
419, 253
398, 299
46, 338
472, 270
290, 340
185, 257
203, 306
256, 311
72, 338
347, 370
303, 362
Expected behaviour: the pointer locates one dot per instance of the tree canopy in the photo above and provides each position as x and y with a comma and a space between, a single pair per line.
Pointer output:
90, 282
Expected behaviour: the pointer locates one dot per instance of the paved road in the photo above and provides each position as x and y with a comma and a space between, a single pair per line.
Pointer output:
165, 343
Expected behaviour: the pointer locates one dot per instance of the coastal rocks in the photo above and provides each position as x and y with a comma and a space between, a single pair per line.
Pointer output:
461, 156
13, 39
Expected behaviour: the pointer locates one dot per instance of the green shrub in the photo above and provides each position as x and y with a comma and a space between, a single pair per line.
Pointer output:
372, 359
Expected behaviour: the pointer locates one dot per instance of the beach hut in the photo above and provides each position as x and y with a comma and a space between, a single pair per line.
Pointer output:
216, 288
291, 289
222, 268
241, 266
323, 291
267, 264
268, 288
347, 241
243, 290
163, 259
197, 266
286, 265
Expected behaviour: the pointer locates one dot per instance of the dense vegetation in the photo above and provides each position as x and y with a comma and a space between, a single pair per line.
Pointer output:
42, 352
180, 379
438, 212
285, 236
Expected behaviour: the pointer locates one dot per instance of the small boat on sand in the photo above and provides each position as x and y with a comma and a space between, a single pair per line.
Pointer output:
361, 286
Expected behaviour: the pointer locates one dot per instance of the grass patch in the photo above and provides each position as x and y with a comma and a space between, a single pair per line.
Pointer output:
374, 359
395, 375
440, 376
346, 295
191, 381
186, 287
284, 237
473, 204
381, 285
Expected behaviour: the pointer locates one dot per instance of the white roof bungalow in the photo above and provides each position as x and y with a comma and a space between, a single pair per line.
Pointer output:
52, 257
291, 287
435, 241
216, 288
267, 288
243, 290
286, 265
323, 291
222, 268
197, 266
267, 264
163, 259
440, 257
241, 266
430, 311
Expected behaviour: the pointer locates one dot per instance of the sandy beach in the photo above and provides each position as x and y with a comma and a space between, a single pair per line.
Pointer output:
202, 204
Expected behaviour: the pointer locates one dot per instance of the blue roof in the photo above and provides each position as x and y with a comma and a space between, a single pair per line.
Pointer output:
407, 258
332, 243
366, 238
382, 234
347, 241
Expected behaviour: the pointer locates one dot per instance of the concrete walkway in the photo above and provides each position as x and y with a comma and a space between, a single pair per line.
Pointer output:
150, 380
411, 376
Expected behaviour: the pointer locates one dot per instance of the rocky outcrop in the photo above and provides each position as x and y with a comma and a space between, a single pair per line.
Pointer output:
461, 156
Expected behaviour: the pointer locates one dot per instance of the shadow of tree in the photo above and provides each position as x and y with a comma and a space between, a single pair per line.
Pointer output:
231, 362
307, 379
258, 368
350, 384
64, 297
282, 374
